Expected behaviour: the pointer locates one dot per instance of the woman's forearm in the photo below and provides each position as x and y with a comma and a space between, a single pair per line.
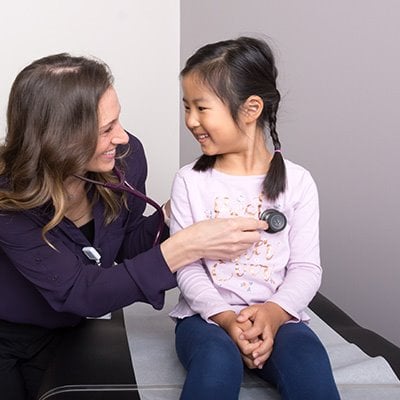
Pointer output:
178, 251
216, 239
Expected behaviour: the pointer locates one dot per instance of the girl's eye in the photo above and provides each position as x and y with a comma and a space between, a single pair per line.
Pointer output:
201, 108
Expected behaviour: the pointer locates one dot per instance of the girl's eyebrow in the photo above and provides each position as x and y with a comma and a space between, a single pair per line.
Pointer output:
197, 100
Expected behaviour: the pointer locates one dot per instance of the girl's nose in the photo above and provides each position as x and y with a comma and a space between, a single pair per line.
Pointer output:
191, 120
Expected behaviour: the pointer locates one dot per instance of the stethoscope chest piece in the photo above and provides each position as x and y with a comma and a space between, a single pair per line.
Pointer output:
275, 219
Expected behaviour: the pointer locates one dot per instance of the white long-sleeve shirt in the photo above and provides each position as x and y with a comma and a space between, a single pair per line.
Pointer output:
283, 267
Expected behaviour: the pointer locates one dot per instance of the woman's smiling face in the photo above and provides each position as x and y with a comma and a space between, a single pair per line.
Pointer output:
111, 133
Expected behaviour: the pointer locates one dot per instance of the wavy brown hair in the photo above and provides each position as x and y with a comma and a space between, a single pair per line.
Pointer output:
52, 132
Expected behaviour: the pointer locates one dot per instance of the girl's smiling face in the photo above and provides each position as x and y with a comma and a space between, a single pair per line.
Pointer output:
111, 133
209, 119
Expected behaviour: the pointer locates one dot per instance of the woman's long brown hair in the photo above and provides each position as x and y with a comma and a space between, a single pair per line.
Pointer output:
52, 132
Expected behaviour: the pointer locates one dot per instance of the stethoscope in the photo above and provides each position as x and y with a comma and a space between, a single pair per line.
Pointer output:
124, 186
276, 220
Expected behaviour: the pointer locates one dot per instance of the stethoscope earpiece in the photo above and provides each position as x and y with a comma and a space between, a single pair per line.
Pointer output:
275, 219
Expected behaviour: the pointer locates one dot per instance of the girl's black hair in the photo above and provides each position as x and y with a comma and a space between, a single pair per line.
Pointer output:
235, 70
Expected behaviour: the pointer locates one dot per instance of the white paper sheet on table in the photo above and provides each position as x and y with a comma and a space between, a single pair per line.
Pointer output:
160, 376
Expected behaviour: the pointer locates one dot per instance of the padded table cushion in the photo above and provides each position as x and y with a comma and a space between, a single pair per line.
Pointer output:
92, 362
94, 359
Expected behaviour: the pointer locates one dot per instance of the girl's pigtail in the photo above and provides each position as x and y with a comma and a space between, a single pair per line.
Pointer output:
275, 180
204, 163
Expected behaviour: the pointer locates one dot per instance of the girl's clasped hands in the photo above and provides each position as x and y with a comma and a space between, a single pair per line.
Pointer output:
258, 325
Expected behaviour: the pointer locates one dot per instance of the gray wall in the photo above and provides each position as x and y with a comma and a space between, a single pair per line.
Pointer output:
339, 68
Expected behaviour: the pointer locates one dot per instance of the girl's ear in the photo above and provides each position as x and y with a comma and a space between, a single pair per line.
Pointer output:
252, 108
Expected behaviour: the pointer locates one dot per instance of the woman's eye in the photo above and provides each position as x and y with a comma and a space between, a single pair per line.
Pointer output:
108, 130
201, 108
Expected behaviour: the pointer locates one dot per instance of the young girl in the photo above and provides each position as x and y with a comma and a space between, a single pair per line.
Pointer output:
249, 310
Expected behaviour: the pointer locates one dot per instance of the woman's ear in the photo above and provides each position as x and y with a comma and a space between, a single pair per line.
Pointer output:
252, 108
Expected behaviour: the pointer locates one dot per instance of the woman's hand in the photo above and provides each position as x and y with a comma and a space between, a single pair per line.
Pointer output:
226, 239
166, 209
216, 239
266, 319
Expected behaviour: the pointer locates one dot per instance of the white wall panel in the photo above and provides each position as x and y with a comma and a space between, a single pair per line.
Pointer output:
140, 42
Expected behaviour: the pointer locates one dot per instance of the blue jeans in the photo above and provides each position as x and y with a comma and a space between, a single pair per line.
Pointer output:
298, 367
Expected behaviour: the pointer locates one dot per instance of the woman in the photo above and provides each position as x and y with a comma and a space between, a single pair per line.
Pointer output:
70, 249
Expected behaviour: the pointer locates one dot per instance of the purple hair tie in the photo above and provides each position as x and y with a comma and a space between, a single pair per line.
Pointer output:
278, 151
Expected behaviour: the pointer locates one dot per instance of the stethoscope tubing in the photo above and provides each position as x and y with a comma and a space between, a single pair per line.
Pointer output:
124, 186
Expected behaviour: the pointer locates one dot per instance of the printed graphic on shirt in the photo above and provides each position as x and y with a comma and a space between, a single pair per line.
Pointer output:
255, 264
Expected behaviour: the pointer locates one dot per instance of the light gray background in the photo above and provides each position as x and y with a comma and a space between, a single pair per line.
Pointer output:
140, 42
339, 64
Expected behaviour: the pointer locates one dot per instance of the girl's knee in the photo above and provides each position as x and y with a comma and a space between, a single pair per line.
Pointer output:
207, 346
220, 352
300, 365
299, 339
214, 370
